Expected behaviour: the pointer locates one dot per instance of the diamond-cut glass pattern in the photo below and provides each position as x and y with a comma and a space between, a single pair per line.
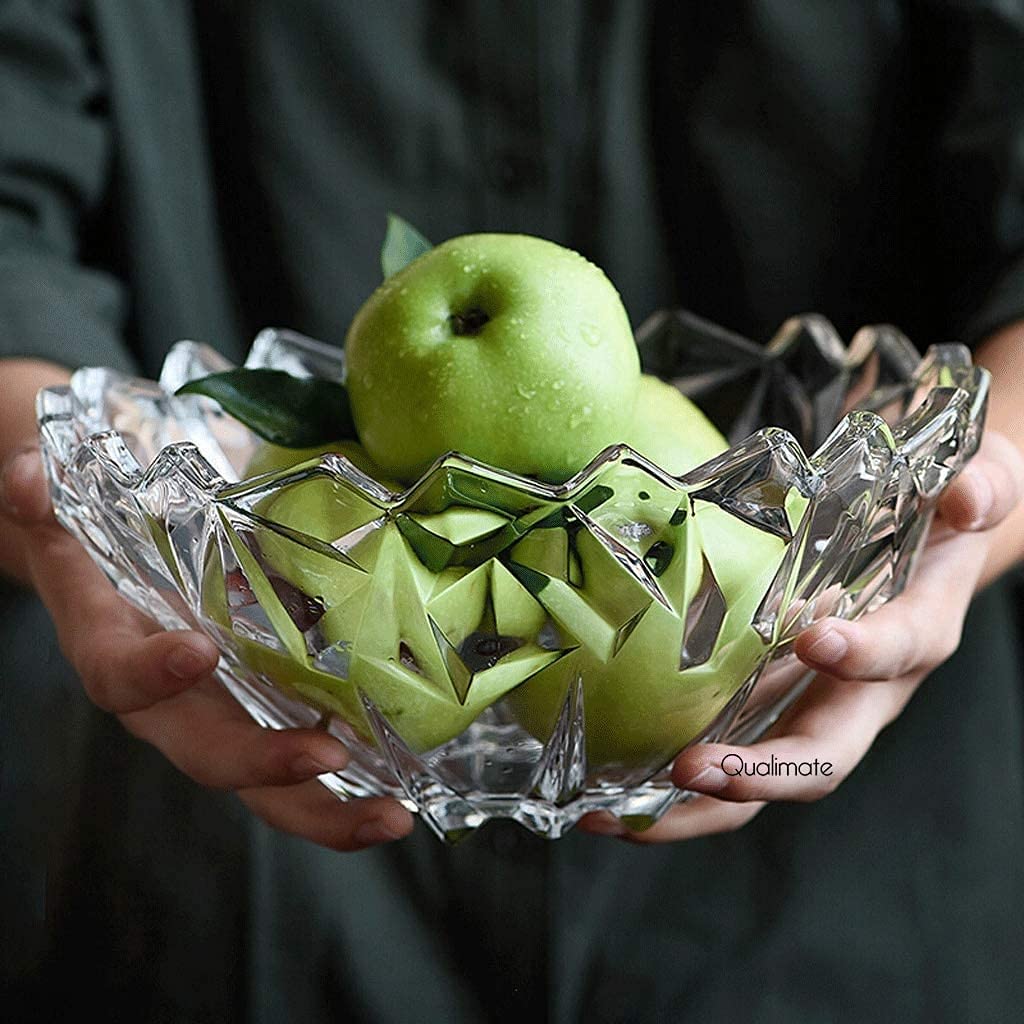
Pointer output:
490, 646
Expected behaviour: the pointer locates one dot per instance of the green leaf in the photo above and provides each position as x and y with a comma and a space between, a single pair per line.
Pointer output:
402, 244
294, 412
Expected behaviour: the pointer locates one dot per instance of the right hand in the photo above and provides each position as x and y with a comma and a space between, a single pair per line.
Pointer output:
160, 685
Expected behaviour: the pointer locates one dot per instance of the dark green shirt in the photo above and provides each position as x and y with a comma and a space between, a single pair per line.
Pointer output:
202, 170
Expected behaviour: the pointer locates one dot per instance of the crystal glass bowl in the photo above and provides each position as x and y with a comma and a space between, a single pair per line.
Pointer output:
493, 647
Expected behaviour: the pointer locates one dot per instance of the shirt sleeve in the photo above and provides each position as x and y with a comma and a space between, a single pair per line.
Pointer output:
978, 203
55, 157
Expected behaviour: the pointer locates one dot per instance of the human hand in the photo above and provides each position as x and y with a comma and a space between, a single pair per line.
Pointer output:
160, 685
867, 670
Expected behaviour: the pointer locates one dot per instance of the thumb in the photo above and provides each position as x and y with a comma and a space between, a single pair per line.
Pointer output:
988, 489
24, 496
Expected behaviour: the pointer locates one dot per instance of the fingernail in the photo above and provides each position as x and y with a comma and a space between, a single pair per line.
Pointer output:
982, 495
606, 825
828, 649
378, 830
18, 475
187, 662
708, 780
309, 766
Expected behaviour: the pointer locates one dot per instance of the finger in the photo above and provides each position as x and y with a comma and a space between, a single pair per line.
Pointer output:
74, 589
125, 661
23, 492
988, 489
312, 812
67, 579
124, 670
916, 631
701, 816
822, 740
207, 735
878, 648
70, 584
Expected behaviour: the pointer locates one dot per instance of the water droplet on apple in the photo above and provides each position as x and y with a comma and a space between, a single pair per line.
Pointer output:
558, 385
525, 392
591, 334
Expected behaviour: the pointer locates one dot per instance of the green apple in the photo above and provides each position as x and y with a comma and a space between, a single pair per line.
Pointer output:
670, 430
642, 699
319, 505
395, 627
269, 458
507, 348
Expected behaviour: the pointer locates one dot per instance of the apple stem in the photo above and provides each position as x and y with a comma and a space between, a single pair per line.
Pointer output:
469, 322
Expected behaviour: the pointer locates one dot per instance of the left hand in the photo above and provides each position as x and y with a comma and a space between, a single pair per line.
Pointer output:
867, 670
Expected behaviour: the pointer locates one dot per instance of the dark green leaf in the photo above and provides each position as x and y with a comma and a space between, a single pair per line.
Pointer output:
402, 244
293, 412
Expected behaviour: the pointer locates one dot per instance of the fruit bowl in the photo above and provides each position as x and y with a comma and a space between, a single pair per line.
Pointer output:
491, 646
